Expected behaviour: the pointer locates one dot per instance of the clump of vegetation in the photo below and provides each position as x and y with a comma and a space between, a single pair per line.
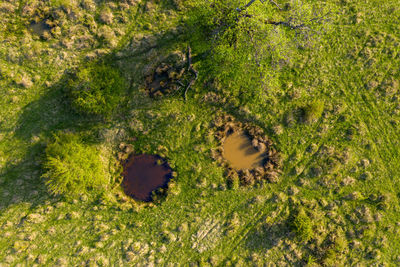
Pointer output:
96, 89
312, 111
251, 41
73, 167
302, 226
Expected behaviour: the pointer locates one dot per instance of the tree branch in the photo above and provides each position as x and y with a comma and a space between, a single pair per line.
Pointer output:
275, 3
246, 6
249, 3
191, 69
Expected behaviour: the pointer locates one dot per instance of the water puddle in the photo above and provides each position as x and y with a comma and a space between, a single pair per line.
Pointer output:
143, 174
240, 153
40, 27
164, 80
159, 83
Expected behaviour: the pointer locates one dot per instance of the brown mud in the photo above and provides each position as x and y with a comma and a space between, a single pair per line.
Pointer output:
40, 28
240, 153
144, 174
245, 151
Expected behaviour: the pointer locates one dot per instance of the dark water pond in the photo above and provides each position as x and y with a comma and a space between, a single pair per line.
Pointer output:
40, 27
143, 174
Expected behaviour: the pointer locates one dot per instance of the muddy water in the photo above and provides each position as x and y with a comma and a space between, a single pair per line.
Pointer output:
142, 175
39, 28
240, 153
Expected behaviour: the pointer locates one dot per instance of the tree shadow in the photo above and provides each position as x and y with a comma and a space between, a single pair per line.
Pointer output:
266, 237
22, 183
49, 113
52, 112
39, 120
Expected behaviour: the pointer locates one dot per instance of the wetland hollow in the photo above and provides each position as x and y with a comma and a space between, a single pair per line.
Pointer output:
143, 174
240, 153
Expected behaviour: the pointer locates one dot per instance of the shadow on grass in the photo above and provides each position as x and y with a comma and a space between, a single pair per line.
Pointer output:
39, 120
269, 236
266, 237
52, 112
23, 184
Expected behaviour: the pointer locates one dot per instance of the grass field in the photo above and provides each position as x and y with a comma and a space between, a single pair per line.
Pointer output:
332, 110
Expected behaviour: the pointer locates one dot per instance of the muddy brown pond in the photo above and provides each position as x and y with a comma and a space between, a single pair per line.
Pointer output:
240, 153
40, 27
143, 174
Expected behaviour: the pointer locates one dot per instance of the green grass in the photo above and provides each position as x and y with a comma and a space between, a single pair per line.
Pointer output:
341, 167
96, 89
73, 168
302, 225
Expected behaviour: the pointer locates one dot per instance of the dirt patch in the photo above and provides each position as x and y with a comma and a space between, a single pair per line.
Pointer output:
144, 174
247, 154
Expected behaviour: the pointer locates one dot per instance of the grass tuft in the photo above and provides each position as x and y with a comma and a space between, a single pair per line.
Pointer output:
96, 89
72, 167
302, 225
312, 111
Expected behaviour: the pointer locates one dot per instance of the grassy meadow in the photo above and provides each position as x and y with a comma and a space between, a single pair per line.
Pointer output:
326, 93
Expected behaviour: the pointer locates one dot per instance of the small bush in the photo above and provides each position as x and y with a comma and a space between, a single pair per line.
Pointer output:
302, 225
96, 89
330, 258
312, 111
72, 167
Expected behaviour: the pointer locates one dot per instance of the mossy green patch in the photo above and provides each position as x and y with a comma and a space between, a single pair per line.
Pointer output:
72, 167
302, 225
97, 89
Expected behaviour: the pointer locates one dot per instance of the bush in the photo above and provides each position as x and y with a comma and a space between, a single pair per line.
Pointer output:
72, 167
243, 48
96, 89
302, 225
312, 111
246, 48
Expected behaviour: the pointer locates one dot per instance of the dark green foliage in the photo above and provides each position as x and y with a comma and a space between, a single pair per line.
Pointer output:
237, 46
330, 258
96, 89
73, 167
312, 111
302, 225
247, 47
310, 261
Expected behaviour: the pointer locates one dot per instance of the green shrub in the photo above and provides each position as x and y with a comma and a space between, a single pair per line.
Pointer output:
312, 111
96, 89
73, 167
330, 258
311, 261
302, 225
243, 48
